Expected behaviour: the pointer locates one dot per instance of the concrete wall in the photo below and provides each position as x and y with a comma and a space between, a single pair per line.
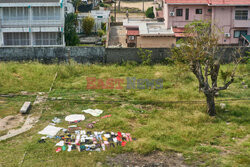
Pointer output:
155, 42
53, 54
92, 54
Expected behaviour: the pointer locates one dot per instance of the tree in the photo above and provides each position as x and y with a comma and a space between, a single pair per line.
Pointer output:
76, 4
200, 51
71, 37
88, 24
150, 13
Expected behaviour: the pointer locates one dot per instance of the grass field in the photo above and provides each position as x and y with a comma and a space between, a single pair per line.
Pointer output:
172, 119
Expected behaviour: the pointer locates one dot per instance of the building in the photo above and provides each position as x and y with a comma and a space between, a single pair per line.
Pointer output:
148, 34
31, 23
231, 16
100, 16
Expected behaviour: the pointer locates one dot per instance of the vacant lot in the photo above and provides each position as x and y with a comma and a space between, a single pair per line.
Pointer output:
170, 124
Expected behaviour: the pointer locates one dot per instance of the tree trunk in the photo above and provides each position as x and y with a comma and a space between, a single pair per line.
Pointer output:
210, 104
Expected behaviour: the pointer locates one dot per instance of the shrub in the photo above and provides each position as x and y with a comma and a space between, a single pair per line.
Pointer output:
103, 25
145, 56
88, 24
100, 33
150, 13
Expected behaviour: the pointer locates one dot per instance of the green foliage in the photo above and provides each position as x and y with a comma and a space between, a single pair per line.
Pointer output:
145, 56
100, 33
71, 37
76, 4
101, 4
150, 13
225, 75
88, 24
112, 19
161, 126
103, 26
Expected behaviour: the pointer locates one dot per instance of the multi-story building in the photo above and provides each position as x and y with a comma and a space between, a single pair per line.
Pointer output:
31, 23
231, 16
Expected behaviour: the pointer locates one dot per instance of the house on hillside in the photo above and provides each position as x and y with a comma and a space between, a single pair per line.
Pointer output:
231, 16
31, 23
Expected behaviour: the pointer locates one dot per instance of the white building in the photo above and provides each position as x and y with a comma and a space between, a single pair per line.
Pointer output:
31, 23
100, 16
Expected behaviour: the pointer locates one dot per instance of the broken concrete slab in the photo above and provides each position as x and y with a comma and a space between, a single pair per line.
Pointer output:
26, 107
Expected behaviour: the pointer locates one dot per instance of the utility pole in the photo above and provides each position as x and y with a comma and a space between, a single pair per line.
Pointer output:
143, 6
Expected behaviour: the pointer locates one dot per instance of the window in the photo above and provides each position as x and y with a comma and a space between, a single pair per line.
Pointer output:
241, 14
16, 38
187, 14
209, 10
46, 38
179, 12
46, 13
18, 13
198, 11
131, 38
238, 33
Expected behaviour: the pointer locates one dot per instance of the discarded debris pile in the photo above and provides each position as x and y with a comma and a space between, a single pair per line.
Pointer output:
75, 138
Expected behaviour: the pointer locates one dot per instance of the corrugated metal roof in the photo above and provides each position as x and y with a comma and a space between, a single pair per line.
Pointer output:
247, 37
28, 1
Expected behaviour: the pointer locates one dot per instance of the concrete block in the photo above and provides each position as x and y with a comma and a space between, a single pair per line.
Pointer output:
26, 107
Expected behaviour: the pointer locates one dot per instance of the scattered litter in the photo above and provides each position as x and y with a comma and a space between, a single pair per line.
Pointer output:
91, 141
41, 141
61, 143
75, 118
222, 105
93, 112
106, 116
50, 131
56, 120
74, 138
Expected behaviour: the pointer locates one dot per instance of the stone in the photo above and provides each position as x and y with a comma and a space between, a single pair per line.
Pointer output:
25, 108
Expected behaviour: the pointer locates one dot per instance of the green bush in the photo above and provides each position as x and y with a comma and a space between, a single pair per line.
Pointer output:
101, 4
145, 56
103, 25
150, 13
100, 33
112, 19
88, 24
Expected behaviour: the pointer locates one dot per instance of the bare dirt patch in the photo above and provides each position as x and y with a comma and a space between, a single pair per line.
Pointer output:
138, 5
11, 122
156, 159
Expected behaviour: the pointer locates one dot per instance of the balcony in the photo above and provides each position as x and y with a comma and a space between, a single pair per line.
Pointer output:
241, 23
18, 22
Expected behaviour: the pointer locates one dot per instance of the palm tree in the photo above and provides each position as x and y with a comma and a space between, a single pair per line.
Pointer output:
76, 4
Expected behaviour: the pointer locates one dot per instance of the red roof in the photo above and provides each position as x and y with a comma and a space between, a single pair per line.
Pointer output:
211, 2
179, 35
132, 32
230, 2
178, 30
187, 1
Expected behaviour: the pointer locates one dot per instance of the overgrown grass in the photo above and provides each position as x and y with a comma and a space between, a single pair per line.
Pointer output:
156, 123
